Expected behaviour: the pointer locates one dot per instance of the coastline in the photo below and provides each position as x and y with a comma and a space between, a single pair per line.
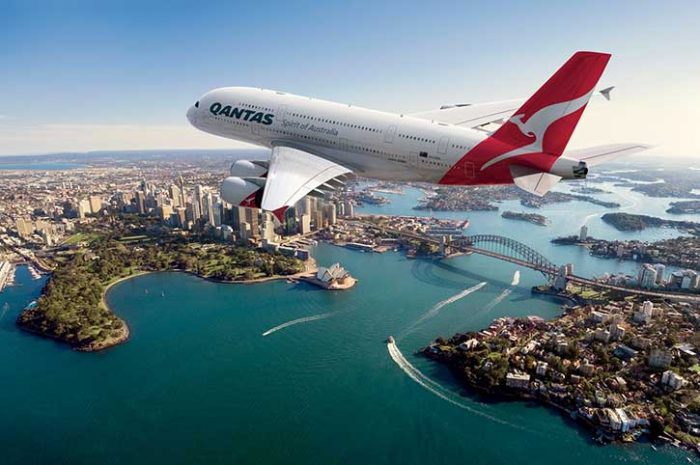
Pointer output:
310, 268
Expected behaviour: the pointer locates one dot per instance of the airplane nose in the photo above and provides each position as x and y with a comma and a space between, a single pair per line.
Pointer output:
192, 115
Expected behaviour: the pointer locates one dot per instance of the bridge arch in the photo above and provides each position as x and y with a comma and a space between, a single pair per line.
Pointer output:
510, 247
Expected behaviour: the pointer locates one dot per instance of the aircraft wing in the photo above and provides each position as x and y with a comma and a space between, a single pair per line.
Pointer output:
480, 114
473, 115
602, 153
294, 174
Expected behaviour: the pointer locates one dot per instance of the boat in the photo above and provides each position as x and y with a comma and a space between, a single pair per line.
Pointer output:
390, 340
162, 293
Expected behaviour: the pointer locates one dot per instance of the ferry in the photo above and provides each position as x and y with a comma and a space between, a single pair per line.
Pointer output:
390, 340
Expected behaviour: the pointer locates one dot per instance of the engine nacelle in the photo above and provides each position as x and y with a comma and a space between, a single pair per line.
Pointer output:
249, 168
569, 168
243, 192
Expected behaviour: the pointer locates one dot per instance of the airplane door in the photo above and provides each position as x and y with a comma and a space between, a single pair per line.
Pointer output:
389, 134
344, 144
469, 169
282, 112
442, 145
413, 158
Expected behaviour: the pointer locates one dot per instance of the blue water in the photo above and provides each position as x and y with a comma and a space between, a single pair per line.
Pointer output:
198, 383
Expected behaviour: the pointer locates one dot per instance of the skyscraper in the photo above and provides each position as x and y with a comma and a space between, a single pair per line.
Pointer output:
175, 195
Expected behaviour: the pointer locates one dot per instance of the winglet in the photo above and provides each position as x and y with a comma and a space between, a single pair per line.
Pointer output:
606, 92
532, 180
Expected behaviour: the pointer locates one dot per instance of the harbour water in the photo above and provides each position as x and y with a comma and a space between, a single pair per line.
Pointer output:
199, 383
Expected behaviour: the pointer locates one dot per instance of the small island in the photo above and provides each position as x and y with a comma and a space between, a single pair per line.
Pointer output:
533, 218
624, 368
632, 222
687, 207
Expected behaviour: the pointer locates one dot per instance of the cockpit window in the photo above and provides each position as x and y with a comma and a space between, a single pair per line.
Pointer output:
196, 105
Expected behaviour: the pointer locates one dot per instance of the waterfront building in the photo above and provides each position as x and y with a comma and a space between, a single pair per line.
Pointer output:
349, 209
583, 233
684, 279
305, 224
518, 380
660, 273
647, 276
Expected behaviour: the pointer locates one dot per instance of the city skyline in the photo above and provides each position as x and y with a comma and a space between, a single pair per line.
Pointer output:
121, 77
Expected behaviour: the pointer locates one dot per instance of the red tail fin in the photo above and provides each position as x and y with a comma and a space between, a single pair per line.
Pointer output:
537, 134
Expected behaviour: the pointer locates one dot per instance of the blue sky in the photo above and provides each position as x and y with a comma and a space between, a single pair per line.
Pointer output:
120, 75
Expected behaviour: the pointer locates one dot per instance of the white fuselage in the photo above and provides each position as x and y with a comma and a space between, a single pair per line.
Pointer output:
372, 143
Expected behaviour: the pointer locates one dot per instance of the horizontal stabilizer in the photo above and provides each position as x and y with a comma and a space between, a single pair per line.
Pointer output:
532, 180
603, 153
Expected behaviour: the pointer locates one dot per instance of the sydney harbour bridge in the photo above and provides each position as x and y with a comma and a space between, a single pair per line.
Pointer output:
509, 250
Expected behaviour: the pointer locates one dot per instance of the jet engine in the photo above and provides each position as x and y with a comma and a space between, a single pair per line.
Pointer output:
249, 168
243, 192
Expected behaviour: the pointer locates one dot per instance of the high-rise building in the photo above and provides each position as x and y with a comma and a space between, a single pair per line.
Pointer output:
95, 203
141, 202
218, 213
25, 228
349, 209
244, 230
647, 276
208, 209
164, 212
305, 224
660, 272
268, 228
175, 193
331, 214
251, 216
181, 214
196, 206
583, 233
84, 208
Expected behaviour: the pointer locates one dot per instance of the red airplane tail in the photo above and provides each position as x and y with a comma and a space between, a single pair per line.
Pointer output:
537, 134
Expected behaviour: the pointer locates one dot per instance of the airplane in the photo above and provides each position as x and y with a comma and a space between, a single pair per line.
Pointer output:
317, 145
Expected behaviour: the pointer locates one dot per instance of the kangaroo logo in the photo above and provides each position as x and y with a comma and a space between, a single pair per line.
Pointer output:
537, 124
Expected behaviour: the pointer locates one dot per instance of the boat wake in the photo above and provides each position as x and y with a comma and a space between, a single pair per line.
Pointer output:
499, 298
298, 321
416, 375
437, 307
505, 293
